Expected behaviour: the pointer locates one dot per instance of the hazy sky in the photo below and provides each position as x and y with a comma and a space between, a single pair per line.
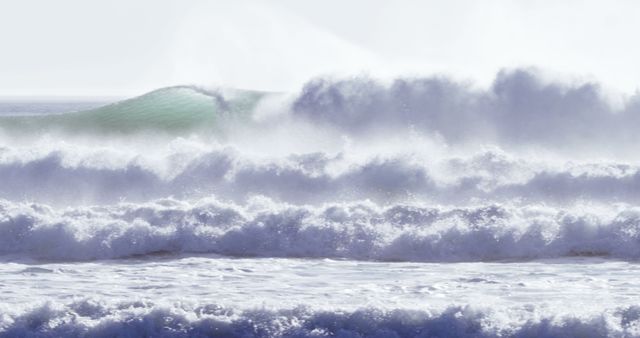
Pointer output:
127, 47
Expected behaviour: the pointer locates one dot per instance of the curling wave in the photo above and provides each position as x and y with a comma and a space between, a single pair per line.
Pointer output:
173, 110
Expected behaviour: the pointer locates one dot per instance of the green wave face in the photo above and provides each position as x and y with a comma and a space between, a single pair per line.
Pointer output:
169, 110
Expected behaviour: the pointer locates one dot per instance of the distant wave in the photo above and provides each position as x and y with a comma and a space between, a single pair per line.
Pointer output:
362, 230
43, 106
170, 110
90, 318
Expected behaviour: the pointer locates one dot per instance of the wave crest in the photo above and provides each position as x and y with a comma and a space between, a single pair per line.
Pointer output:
354, 230
90, 318
73, 175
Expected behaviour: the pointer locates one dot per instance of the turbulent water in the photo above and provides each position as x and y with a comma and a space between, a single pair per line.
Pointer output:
420, 207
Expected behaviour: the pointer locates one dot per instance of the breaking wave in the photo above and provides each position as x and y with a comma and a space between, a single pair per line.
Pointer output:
518, 109
91, 318
416, 170
353, 169
64, 174
364, 230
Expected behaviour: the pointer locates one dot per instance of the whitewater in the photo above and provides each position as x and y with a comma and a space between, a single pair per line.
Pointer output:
418, 207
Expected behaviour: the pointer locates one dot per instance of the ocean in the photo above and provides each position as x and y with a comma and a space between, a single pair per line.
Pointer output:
422, 207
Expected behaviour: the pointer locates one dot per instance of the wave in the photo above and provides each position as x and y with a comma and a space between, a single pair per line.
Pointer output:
169, 110
362, 231
68, 174
418, 170
520, 108
342, 162
91, 318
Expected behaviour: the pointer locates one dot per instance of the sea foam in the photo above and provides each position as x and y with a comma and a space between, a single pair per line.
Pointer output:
357, 230
91, 318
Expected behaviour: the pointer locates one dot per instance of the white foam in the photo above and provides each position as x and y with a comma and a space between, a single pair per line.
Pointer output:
358, 230
70, 174
208, 295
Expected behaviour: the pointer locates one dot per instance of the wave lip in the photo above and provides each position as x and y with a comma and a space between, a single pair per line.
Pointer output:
89, 318
358, 230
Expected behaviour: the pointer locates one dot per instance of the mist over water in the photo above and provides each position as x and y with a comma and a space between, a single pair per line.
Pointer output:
341, 155
429, 140
414, 170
